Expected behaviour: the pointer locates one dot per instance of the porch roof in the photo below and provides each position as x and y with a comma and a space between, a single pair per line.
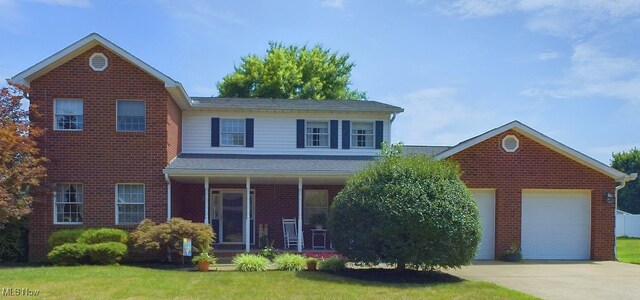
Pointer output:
238, 164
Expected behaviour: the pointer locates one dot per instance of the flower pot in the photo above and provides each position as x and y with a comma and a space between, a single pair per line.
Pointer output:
312, 265
513, 257
203, 266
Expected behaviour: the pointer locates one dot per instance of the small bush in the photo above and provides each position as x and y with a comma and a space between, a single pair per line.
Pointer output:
332, 264
290, 262
68, 254
250, 263
64, 236
106, 253
12, 240
103, 235
151, 236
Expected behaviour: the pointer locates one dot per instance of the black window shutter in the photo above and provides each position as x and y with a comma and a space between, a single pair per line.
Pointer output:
300, 133
334, 134
215, 132
379, 134
249, 132
346, 134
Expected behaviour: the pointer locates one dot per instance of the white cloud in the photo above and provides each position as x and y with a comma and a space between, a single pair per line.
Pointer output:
200, 12
333, 3
73, 3
436, 116
560, 18
594, 73
549, 55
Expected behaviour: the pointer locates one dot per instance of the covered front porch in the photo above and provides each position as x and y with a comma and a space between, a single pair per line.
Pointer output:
246, 197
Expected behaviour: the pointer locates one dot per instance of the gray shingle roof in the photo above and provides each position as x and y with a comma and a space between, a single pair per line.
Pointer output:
268, 164
293, 105
427, 150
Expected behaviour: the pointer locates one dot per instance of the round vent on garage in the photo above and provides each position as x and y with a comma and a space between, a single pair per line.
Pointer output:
510, 143
98, 62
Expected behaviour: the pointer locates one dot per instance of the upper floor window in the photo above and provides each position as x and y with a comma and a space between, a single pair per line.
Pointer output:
68, 201
317, 134
131, 115
129, 203
68, 114
232, 132
362, 135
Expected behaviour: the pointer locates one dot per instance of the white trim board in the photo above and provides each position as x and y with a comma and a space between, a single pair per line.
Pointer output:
542, 139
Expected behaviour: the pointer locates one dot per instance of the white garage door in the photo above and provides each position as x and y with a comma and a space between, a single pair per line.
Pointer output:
556, 224
486, 200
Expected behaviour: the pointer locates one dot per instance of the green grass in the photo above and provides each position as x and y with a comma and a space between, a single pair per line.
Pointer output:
628, 250
117, 282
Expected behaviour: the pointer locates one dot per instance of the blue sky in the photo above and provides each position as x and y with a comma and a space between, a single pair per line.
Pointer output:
570, 69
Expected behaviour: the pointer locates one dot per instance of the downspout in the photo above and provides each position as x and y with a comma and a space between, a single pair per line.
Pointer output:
623, 183
393, 117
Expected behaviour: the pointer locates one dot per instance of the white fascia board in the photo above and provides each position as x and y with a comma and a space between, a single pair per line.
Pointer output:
540, 138
256, 173
25, 77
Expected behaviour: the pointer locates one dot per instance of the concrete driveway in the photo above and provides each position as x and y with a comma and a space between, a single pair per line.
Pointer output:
560, 280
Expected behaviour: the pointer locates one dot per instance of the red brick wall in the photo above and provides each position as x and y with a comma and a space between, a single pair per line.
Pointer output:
99, 156
534, 166
174, 129
273, 202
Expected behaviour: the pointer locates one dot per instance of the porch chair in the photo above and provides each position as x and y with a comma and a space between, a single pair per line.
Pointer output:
290, 231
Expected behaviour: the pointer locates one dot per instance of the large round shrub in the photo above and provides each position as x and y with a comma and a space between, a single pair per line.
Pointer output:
406, 210
65, 236
68, 254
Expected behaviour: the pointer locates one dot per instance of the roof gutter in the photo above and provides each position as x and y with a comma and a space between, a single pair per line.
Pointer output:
623, 182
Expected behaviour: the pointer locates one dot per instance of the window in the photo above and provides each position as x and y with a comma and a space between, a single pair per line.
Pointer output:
68, 114
315, 202
232, 132
68, 203
318, 134
129, 203
130, 115
362, 135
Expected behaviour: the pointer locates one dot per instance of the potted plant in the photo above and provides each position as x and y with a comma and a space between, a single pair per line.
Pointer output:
204, 260
319, 220
312, 264
513, 254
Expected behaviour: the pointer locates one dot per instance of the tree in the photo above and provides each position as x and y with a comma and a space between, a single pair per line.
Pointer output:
292, 72
406, 210
628, 197
169, 235
21, 167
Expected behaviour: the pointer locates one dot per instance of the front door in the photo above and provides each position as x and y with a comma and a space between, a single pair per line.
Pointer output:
228, 215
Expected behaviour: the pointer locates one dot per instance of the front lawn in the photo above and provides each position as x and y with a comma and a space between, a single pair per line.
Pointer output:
117, 282
628, 250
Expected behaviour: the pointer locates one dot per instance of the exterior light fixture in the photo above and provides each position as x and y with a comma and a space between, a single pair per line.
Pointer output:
609, 197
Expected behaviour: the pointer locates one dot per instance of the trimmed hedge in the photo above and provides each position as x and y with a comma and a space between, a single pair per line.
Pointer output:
106, 253
103, 235
65, 236
68, 254
332, 264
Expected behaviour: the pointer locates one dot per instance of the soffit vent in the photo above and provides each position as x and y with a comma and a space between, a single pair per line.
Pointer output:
510, 143
98, 62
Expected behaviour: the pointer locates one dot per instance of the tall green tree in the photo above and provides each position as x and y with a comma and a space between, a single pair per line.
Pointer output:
628, 197
21, 166
292, 72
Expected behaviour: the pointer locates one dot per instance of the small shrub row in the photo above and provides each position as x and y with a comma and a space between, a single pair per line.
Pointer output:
290, 262
332, 264
79, 253
246, 262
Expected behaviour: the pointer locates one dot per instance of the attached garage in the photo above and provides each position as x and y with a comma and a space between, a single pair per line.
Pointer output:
556, 224
486, 201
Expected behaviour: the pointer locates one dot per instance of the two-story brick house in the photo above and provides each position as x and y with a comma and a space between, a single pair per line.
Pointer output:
126, 142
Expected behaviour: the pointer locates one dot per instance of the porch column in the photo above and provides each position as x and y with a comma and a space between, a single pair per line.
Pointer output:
247, 227
168, 197
206, 200
300, 237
